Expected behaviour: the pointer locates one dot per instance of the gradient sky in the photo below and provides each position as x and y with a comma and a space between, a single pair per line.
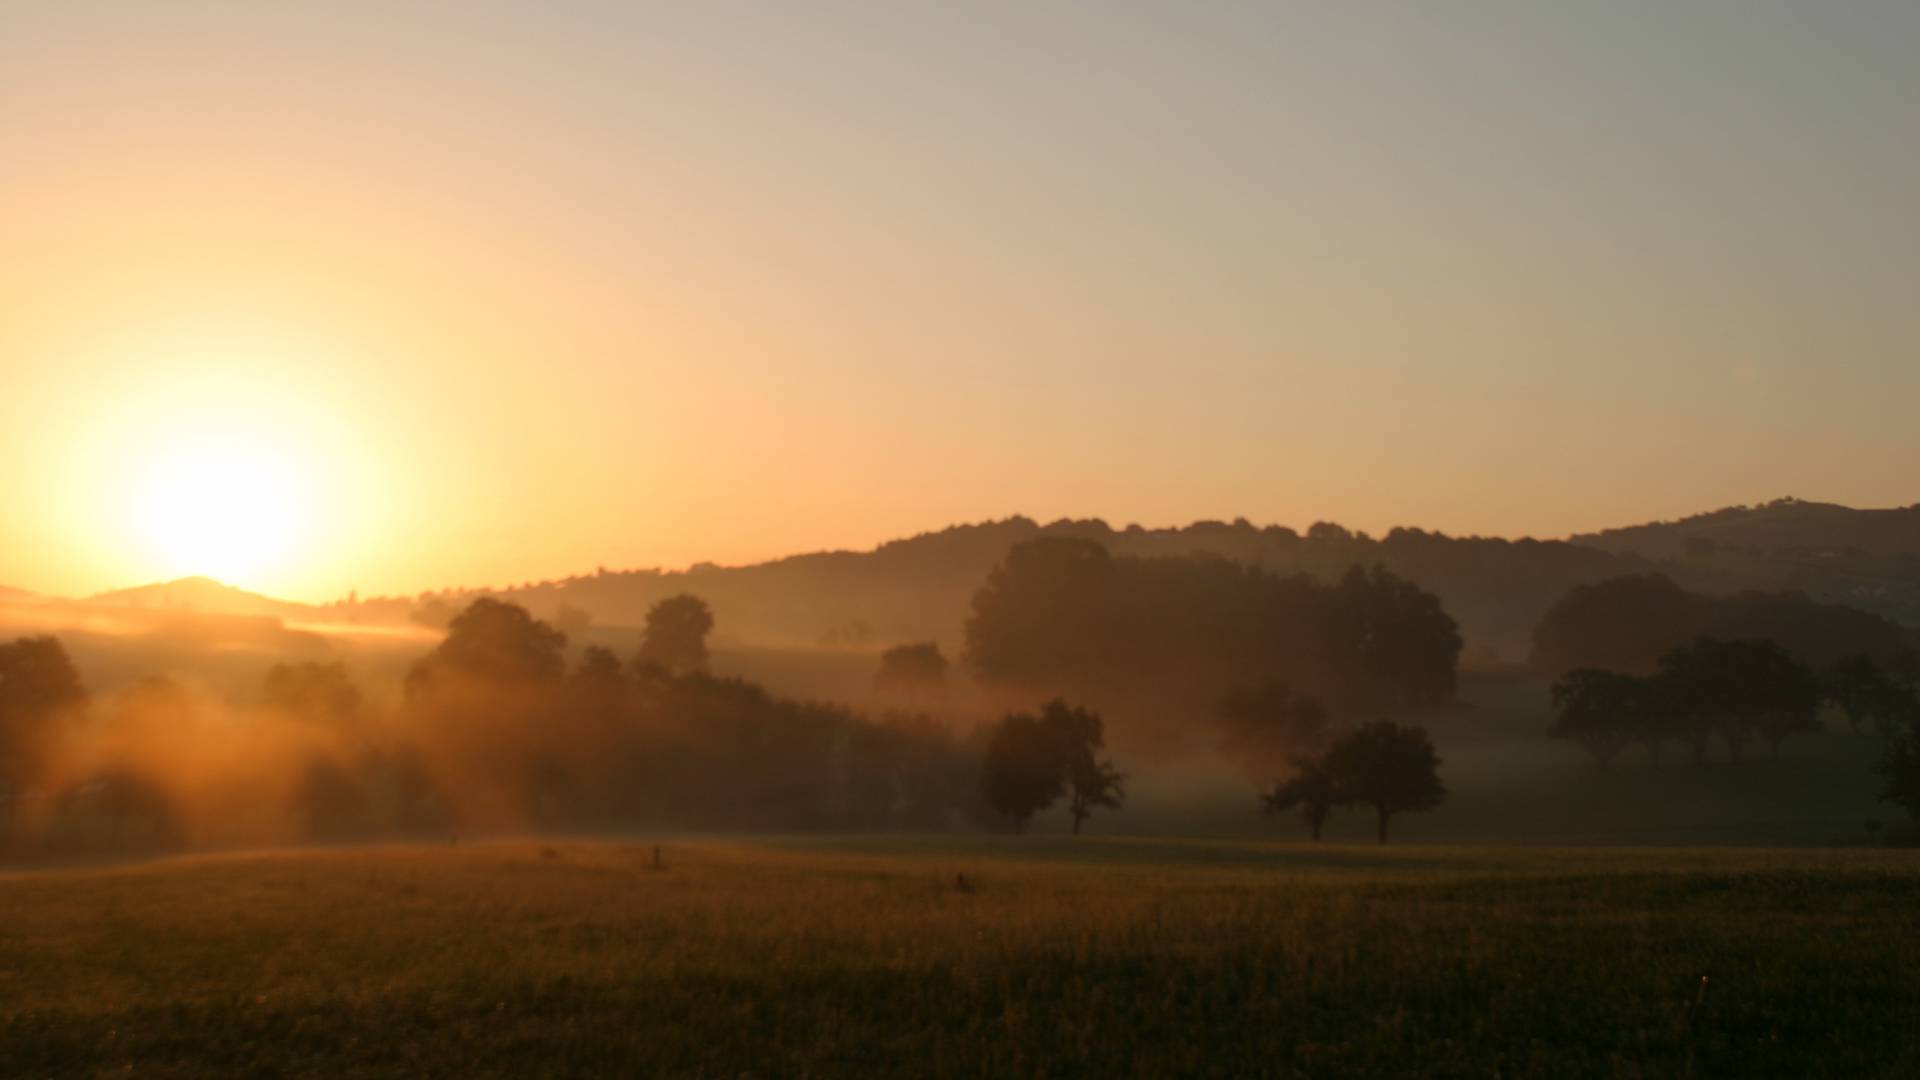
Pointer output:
486, 292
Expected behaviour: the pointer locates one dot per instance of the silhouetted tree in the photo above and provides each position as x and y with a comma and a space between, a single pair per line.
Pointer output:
572, 620
1867, 694
1899, 766
494, 641
311, 690
1091, 782
1046, 615
1782, 696
914, 671
1169, 633
676, 634
1387, 766
597, 686
1393, 642
1626, 624
432, 612
1739, 690
1265, 728
38, 687
1312, 790
1023, 773
1597, 709
1622, 625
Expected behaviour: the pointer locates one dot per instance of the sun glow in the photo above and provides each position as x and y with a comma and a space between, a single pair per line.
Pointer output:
236, 471
222, 505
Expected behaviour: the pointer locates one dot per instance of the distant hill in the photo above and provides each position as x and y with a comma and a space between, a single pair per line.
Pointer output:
920, 588
1782, 527
1869, 559
199, 596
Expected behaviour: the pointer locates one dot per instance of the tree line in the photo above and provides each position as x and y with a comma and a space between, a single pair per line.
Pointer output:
1066, 614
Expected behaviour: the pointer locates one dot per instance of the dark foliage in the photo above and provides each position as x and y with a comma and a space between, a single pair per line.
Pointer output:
1627, 624
1738, 691
1312, 790
1266, 728
1064, 614
912, 671
1033, 760
676, 634
1388, 766
494, 642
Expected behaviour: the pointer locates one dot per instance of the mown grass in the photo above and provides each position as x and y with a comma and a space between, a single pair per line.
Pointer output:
1110, 958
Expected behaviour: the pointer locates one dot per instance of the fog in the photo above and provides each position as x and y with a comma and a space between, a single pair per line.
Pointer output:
1211, 686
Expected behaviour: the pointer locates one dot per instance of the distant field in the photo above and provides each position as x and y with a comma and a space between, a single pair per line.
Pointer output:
1105, 957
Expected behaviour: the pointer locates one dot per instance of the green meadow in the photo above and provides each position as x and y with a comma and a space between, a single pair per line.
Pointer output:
968, 956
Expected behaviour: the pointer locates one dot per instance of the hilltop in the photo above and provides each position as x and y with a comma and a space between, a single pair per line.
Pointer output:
199, 596
1784, 527
919, 587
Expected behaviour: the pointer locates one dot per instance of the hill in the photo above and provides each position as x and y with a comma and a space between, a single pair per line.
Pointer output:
1784, 527
199, 596
919, 588
1869, 559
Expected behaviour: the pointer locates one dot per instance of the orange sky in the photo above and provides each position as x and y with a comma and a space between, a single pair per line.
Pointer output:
324, 297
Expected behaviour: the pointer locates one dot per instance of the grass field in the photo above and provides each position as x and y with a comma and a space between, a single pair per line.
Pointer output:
1106, 957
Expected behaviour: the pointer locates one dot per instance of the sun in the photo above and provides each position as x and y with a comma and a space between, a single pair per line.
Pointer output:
226, 505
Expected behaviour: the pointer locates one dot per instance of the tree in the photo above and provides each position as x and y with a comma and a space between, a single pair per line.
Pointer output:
1268, 727
676, 634
1739, 690
494, 642
1091, 782
1781, 695
1023, 773
1387, 766
312, 691
1392, 642
597, 686
1867, 694
1623, 624
38, 687
572, 620
1596, 708
1311, 789
1047, 614
912, 670
1899, 767
1032, 760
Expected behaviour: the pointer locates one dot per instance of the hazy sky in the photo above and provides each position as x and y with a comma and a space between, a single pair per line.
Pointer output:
403, 295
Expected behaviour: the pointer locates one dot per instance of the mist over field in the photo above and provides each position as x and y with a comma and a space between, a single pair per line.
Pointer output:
206, 716
1260, 538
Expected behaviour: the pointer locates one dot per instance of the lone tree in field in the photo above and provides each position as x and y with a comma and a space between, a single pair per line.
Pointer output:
1311, 790
1023, 773
912, 671
1389, 767
676, 635
1091, 782
1033, 760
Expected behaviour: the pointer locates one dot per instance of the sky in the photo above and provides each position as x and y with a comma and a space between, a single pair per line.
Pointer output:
391, 296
